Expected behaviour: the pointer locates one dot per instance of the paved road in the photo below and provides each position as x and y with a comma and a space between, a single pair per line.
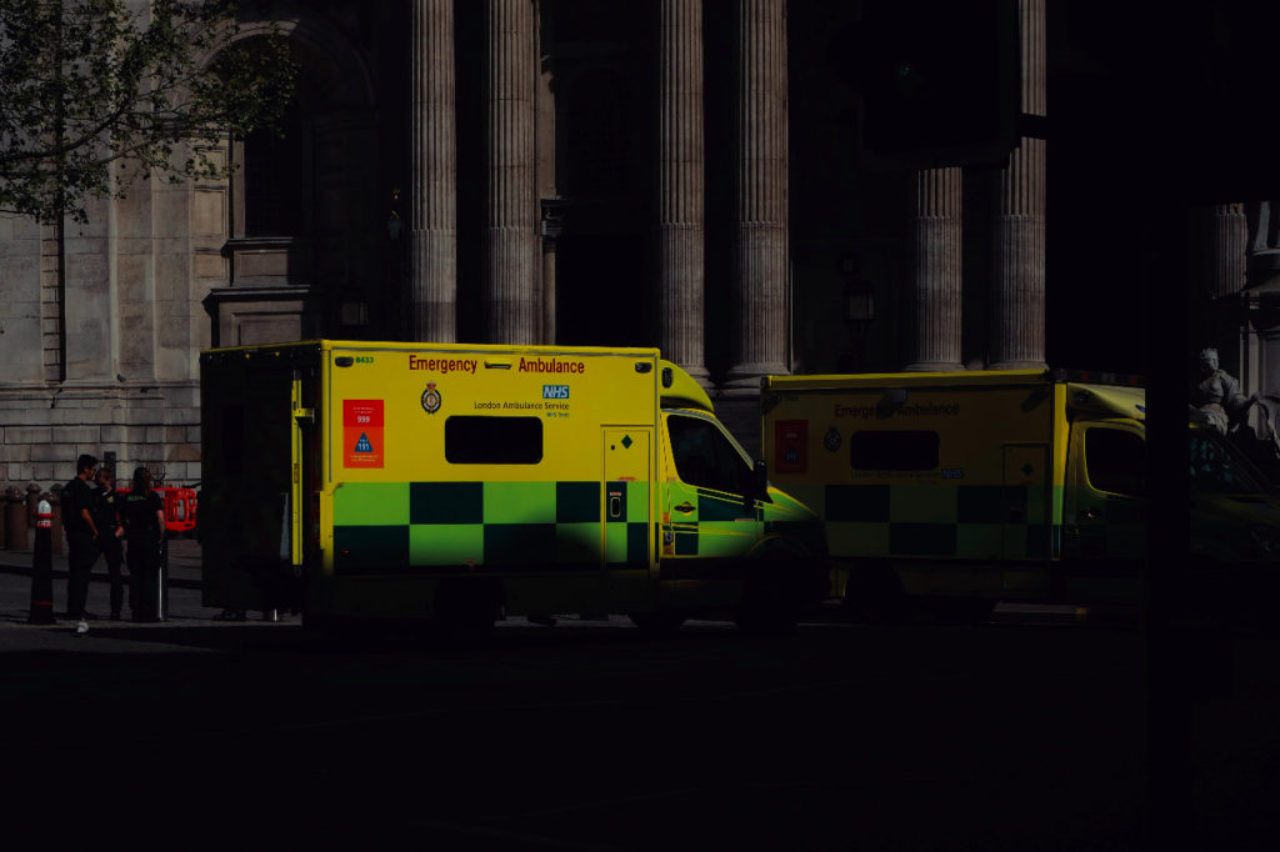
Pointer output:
589, 736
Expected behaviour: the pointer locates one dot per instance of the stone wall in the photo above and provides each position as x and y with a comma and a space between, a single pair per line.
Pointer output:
42, 431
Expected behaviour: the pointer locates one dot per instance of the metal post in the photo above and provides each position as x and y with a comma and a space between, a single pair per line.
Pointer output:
42, 568
162, 581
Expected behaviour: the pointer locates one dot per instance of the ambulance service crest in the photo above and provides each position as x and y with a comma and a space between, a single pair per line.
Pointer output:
832, 439
431, 399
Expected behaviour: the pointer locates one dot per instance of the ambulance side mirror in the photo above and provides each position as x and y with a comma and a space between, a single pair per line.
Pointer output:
758, 491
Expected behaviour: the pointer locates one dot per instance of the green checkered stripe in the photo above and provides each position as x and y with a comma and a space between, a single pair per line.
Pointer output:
415, 527
714, 528
966, 521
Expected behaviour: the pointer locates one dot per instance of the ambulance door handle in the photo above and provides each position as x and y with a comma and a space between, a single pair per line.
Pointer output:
1092, 513
615, 506
685, 507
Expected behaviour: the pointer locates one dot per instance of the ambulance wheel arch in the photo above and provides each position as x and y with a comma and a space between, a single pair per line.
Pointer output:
782, 580
873, 592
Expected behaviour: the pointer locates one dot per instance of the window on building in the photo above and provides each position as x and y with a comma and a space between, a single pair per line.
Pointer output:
493, 440
894, 450
273, 179
705, 457
1115, 460
595, 136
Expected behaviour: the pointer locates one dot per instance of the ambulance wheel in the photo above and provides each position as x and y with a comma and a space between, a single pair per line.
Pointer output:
768, 608
960, 610
661, 623
874, 595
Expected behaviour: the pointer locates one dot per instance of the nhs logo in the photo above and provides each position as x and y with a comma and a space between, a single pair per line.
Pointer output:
555, 391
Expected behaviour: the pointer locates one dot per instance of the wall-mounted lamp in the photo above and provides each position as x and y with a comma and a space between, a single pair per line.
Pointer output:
860, 303
859, 296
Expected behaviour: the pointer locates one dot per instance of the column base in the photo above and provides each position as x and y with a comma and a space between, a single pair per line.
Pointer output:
1018, 365
934, 367
744, 379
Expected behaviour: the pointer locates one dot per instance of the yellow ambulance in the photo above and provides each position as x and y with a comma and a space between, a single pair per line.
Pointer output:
968, 488
458, 483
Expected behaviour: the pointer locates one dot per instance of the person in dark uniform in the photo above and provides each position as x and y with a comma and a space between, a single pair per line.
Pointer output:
82, 535
107, 520
142, 513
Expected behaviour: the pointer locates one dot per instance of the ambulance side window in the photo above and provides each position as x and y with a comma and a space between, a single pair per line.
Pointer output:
899, 449
493, 440
1114, 460
704, 456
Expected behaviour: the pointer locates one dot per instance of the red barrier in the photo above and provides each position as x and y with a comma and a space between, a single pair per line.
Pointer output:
179, 507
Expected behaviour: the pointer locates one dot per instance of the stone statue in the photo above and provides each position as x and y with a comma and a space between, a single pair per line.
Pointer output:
1218, 394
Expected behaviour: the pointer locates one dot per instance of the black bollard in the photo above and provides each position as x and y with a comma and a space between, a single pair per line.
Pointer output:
42, 568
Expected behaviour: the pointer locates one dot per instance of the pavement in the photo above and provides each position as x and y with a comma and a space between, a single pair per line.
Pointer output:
184, 606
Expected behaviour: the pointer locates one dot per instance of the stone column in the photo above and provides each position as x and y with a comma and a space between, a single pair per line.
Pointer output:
680, 185
1017, 327
934, 302
433, 234
1227, 235
512, 251
760, 190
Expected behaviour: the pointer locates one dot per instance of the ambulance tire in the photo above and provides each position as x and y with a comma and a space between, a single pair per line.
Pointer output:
769, 606
660, 623
873, 595
960, 610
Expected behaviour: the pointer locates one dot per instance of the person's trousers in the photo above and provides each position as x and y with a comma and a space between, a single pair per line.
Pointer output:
144, 579
82, 552
113, 553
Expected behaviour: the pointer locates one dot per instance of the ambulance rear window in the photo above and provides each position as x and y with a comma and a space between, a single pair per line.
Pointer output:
894, 450
493, 440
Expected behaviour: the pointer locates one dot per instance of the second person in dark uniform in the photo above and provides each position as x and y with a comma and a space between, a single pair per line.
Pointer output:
142, 512
106, 518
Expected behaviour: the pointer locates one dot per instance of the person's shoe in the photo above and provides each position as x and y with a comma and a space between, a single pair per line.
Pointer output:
82, 627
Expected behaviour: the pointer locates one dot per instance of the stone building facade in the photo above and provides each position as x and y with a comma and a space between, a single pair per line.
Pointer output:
679, 173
